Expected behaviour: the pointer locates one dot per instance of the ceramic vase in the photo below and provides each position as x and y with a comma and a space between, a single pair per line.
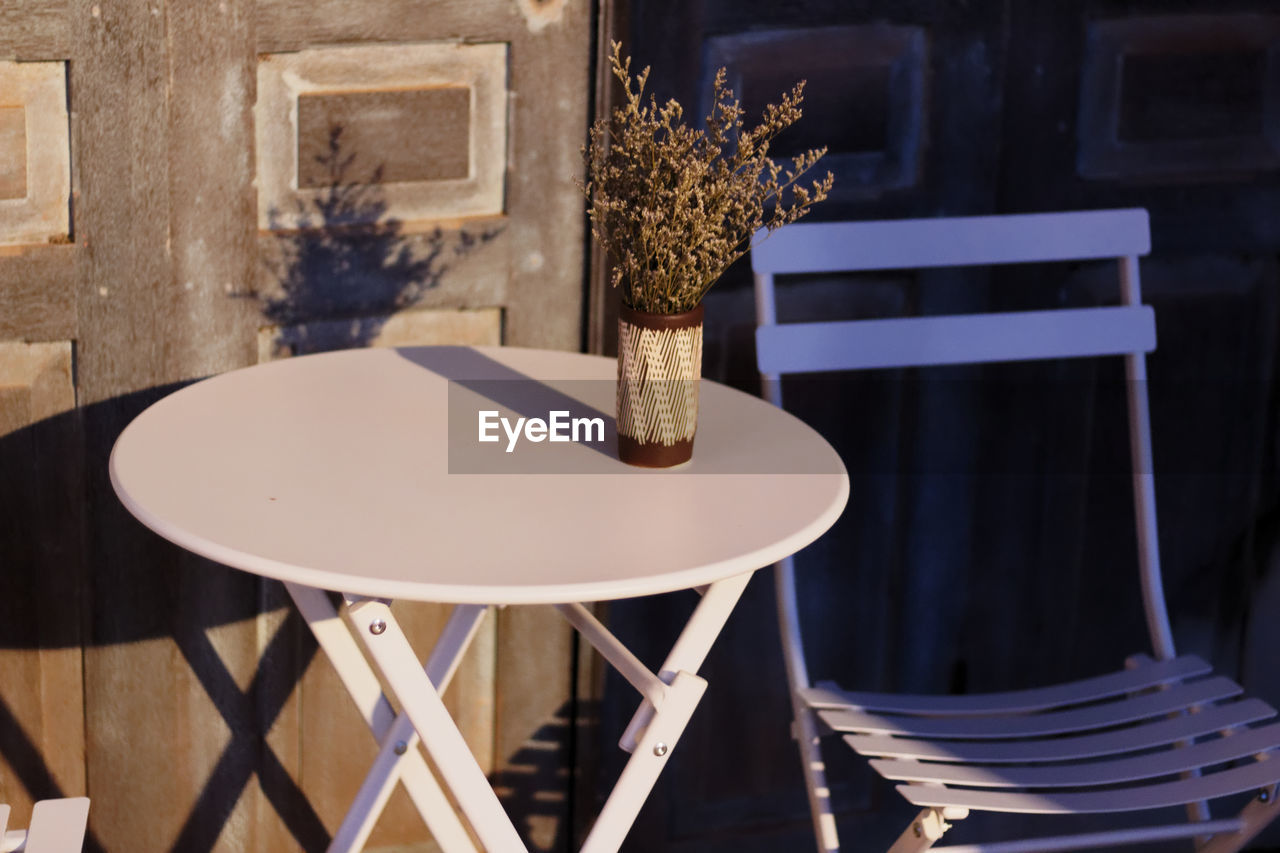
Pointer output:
659, 370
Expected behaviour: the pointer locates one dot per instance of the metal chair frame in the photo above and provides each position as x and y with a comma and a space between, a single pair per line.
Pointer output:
1163, 723
57, 826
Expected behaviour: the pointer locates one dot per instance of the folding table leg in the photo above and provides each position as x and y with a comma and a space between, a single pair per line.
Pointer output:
392, 762
671, 697
395, 659
655, 730
693, 644
646, 762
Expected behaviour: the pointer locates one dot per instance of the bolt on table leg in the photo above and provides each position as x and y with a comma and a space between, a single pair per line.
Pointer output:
362, 685
395, 659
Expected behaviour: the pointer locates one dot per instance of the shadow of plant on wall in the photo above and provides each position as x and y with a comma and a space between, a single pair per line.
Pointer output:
342, 265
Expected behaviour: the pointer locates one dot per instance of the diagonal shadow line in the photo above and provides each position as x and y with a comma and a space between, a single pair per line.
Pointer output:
217, 799
291, 803
28, 765
249, 714
508, 387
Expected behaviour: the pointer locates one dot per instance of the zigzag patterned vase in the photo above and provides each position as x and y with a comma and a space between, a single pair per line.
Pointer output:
659, 368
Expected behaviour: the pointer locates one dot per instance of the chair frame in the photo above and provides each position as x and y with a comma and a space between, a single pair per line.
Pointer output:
57, 826
1126, 330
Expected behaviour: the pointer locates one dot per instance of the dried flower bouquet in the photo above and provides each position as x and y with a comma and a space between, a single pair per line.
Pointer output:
675, 206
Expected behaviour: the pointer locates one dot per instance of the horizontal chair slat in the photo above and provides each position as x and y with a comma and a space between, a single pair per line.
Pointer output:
1099, 716
963, 339
954, 241
1147, 766
1236, 780
1090, 840
1146, 736
1014, 701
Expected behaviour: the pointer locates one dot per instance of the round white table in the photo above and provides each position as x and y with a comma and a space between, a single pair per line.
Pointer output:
361, 472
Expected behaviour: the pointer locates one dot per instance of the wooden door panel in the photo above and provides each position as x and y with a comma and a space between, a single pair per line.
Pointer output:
208, 721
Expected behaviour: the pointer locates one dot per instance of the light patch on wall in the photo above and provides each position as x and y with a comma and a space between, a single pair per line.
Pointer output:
426, 124
540, 13
35, 382
35, 153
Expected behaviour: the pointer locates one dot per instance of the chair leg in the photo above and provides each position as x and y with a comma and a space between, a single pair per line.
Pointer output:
805, 725
1255, 817
814, 770
924, 831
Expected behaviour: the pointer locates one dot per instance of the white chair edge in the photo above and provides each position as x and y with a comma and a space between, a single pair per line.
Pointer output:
57, 826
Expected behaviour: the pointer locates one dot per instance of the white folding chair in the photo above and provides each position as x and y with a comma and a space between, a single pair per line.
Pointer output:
1161, 732
57, 826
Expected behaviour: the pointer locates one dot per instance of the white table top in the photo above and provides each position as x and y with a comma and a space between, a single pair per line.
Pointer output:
333, 471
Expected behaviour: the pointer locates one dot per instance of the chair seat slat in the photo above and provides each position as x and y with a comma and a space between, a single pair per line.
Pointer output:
1089, 840
953, 241
1235, 780
1116, 713
1146, 766
955, 339
1016, 701
1146, 736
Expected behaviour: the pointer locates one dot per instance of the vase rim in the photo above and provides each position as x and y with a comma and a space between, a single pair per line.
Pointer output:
653, 319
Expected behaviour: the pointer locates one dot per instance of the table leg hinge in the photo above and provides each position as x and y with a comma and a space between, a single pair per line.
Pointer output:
646, 715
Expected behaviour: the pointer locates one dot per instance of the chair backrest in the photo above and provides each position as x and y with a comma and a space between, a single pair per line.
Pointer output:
1127, 329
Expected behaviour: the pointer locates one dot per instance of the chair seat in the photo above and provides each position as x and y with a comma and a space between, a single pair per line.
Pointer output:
1157, 734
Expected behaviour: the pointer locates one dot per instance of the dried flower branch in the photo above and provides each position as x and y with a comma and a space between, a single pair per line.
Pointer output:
674, 206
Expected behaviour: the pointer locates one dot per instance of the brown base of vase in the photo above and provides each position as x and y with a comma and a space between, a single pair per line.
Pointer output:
653, 455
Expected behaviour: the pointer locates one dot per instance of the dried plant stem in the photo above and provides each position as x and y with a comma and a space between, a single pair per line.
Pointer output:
674, 206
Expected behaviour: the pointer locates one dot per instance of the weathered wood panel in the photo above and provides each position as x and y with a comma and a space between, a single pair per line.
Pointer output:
42, 372
294, 193
343, 273
401, 136
41, 585
38, 293
198, 733
13, 151
121, 165
482, 327
211, 201
164, 217
35, 30
286, 25
549, 57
